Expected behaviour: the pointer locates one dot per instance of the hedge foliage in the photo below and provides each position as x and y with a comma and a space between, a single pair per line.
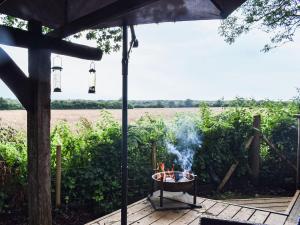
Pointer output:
91, 154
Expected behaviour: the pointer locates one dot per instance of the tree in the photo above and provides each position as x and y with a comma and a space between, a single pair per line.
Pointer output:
188, 103
219, 103
279, 18
108, 39
3, 103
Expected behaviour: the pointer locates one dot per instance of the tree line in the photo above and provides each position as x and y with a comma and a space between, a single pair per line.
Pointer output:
13, 104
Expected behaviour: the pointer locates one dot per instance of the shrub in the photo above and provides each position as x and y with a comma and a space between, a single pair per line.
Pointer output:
224, 136
13, 165
91, 153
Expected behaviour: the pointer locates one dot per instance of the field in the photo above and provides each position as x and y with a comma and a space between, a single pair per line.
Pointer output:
17, 118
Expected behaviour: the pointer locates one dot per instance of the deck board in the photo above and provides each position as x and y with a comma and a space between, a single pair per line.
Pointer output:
170, 216
275, 219
138, 215
216, 209
230, 211
207, 204
142, 213
187, 218
244, 214
259, 216
278, 204
151, 218
115, 218
294, 210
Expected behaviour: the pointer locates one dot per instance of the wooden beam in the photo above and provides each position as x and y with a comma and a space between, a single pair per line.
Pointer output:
15, 79
228, 175
115, 10
20, 38
38, 134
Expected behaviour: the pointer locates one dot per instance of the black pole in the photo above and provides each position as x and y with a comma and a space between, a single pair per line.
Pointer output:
124, 126
298, 156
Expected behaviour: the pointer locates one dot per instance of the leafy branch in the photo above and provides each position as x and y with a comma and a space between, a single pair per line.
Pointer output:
279, 18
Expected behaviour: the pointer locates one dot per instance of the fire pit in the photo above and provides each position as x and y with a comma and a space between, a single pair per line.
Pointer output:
173, 181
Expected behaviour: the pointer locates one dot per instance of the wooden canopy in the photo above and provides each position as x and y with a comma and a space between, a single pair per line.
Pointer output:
67, 17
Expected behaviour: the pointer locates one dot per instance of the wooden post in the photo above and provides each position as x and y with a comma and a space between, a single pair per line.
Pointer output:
298, 156
254, 151
58, 177
38, 131
153, 157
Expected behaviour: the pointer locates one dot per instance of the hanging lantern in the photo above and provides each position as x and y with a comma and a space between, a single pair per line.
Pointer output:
92, 79
56, 73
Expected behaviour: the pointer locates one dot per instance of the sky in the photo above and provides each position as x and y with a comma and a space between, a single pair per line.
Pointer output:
184, 60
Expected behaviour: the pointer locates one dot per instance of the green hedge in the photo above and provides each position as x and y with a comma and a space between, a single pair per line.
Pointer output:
91, 154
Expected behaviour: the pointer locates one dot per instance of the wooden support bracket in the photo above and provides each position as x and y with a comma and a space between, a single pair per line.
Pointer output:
15, 79
228, 175
24, 39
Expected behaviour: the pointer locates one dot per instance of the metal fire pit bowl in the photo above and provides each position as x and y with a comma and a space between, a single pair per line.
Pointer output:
170, 182
183, 182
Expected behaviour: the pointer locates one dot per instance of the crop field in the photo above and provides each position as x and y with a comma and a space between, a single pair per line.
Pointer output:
17, 118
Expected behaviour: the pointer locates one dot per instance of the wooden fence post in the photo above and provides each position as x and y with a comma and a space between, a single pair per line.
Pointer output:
254, 151
58, 177
154, 156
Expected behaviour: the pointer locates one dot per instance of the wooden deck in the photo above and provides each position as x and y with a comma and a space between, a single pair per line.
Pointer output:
142, 213
277, 204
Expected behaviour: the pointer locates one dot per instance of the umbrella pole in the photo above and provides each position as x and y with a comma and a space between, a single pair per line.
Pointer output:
124, 125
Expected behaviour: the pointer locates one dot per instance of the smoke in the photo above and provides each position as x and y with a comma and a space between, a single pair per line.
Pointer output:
185, 140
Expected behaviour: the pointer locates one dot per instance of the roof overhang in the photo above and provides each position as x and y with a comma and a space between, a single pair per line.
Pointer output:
88, 14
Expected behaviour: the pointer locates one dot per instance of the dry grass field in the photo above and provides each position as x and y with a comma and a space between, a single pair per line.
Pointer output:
17, 118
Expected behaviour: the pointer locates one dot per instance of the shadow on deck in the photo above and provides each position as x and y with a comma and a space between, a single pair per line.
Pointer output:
142, 213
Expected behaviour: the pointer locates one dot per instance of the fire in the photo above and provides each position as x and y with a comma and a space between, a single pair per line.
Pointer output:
166, 174
162, 167
170, 175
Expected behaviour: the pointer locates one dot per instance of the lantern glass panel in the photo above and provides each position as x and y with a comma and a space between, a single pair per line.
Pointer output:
56, 73
56, 79
92, 81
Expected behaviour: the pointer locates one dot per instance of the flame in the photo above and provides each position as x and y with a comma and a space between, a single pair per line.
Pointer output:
169, 175
162, 167
165, 172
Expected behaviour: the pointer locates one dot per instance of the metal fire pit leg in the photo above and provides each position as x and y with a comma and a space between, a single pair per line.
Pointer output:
161, 191
195, 189
152, 188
